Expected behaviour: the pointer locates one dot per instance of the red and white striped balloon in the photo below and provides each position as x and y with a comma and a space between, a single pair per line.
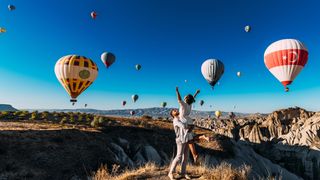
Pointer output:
285, 59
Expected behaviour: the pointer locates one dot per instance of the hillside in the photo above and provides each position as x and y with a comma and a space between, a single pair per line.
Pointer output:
44, 145
7, 107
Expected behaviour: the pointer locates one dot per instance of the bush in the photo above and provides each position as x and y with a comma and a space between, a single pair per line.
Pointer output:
72, 119
34, 115
101, 120
63, 120
95, 122
4, 114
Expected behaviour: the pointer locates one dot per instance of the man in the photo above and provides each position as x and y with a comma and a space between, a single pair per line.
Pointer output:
182, 146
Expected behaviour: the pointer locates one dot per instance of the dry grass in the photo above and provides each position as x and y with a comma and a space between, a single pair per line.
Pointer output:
151, 171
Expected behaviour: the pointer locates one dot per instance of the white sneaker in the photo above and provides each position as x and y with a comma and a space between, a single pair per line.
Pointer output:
187, 176
170, 175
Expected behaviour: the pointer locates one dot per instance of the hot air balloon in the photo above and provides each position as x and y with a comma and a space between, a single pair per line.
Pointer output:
73, 104
138, 67
85, 105
218, 114
93, 15
76, 74
285, 59
132, 113
163, 104
185, 81
239, 74
212, 70
134, 98
11, 7
124, 103
2, 30
247, 28
201, 102
108, 59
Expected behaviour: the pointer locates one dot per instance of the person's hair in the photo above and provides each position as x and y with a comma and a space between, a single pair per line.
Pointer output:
189, 99
171, 113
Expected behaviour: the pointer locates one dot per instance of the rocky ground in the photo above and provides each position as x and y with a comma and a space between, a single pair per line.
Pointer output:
284, 144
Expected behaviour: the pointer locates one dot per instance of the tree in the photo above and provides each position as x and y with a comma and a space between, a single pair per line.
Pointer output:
34, 115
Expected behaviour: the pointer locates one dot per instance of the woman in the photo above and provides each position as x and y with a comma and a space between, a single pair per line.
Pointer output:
184, 111
182, 146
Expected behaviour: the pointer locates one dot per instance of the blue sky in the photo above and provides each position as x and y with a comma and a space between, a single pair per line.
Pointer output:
170, 39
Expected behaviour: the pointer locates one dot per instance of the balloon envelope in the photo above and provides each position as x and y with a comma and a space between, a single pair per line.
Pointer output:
134, 98
11, 7
132, 113
2, 30
76, 74
247, 28
212, 70
218, 114
239, 74
108, 59
93, 15
124, 103
201, 102
285, 59
163, 104
138, 67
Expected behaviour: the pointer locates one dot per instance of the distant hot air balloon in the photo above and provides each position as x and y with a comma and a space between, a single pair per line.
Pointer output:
2, 30
85, 105
239, 74
201, 102
76, 74
218, 114
212, 70
108, 59
93, 15
163, 104
73, 103
138, 67
247, 28
134, 98
185, 81
11, 7
132, 113
124, 103
285, 59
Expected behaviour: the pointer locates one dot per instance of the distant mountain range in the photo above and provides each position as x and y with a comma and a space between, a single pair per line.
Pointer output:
7, 107
153, 112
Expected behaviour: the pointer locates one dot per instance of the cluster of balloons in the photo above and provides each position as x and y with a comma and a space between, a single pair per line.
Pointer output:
284, 59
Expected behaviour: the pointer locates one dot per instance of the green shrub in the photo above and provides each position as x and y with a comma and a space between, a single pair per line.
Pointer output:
63, 120
34, 115
95, 122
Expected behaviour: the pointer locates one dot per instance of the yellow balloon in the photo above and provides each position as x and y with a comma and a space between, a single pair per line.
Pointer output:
2, 30
218, 114
76, 74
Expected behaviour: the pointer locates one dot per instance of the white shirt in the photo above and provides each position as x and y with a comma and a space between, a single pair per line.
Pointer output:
184, 111
180, 131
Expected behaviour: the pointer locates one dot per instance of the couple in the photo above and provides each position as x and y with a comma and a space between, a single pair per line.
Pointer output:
185, 138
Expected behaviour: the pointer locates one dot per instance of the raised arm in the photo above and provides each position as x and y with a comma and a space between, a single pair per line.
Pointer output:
178, 94
197, 92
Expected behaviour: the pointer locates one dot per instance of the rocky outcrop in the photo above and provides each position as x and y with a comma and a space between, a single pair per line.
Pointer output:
292, 137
